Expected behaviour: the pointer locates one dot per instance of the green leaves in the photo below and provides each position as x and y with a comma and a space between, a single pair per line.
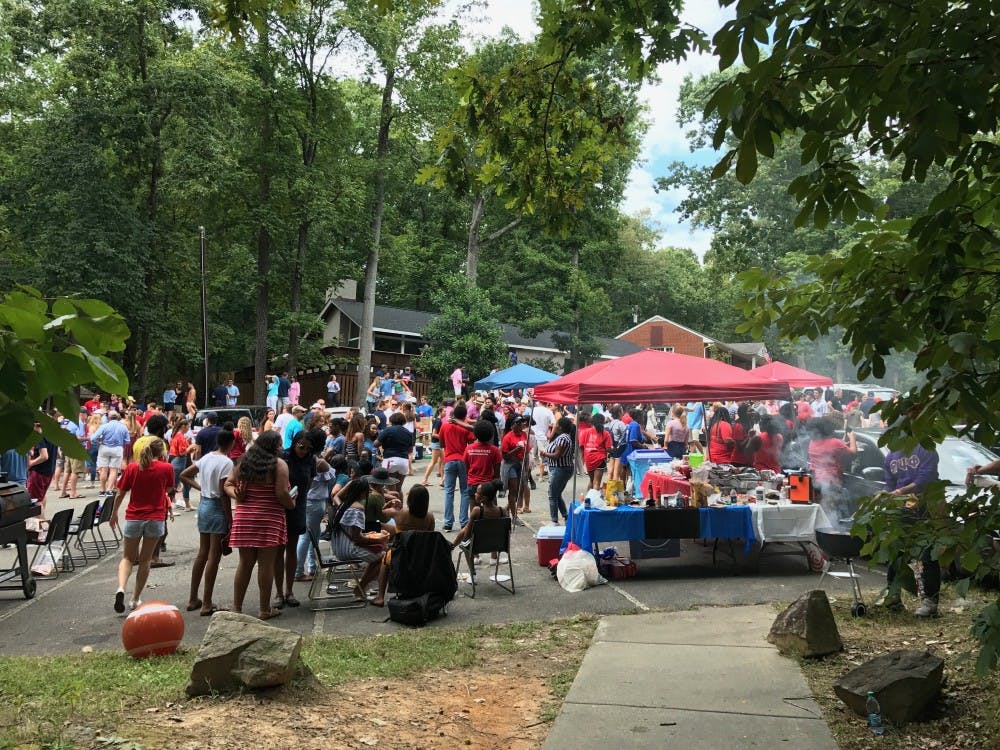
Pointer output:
48, 350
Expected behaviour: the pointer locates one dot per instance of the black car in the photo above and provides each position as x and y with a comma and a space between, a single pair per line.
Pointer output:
230, 414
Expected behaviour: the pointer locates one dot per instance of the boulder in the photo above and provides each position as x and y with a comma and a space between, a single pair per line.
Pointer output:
241, 651
807, 627
905, 683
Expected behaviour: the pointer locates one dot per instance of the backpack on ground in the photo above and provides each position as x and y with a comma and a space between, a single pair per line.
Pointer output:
422, 575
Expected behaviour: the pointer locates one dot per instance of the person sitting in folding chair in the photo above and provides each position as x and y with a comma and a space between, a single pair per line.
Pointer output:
414, 517
485, 500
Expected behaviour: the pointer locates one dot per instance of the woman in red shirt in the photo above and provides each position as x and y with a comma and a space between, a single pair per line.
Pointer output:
721, 440
767, 445
180, 449
513, 447
151, 483
482, 458
596, 444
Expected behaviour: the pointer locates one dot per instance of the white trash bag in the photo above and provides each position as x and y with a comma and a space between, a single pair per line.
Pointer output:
577, 570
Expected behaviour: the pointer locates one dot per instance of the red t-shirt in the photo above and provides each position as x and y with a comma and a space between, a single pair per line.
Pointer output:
595, 447
827, 458
740, 435
482, 461
148, 501
453, 441
718, 451
509, 444
803, 411
768, 456
92, 405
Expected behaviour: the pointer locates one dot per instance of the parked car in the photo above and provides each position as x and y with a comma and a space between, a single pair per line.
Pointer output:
230, 414
857, 391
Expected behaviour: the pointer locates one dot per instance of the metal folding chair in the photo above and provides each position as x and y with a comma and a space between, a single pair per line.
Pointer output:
338, 582
488, 535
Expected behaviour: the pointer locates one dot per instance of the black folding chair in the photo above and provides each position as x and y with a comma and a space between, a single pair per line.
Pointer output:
488, 535
79, 528
56, 544
338, 582
101, 521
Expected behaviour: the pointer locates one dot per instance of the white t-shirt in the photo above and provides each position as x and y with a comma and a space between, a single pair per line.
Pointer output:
544, 419
281, 422
212, 471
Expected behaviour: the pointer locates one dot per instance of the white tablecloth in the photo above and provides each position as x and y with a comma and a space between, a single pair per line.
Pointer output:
788, 523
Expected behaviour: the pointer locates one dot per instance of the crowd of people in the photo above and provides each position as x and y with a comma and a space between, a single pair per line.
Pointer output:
266, 489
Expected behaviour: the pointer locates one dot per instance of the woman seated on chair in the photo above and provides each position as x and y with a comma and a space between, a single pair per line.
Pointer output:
349, 541
484, 506
414, 517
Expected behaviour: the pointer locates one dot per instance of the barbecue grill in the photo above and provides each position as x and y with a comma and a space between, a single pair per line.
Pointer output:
16, 508
841, 545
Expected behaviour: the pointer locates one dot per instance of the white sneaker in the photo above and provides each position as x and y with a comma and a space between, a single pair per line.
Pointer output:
134, 605
504, 558
928, 607
179, 506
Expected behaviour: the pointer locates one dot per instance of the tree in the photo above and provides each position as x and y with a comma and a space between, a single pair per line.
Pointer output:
467, 332
48, 348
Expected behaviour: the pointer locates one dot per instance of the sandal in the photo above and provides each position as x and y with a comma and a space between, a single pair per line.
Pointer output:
305, 577
212, 611
278, 603
291, 601
269, 615
193, 605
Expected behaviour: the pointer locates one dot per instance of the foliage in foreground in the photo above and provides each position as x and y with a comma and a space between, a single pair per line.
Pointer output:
48, 348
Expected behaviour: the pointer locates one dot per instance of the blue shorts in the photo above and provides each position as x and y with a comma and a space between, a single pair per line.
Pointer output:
144, 529
211, 517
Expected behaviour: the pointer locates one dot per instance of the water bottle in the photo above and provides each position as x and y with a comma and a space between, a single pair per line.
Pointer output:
732, 496
759, 493
874, 711
586, 500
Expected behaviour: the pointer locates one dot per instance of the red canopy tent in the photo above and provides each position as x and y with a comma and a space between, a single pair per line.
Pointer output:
796, 377
658, 376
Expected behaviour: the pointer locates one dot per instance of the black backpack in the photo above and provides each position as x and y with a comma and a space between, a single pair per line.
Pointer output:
422, 575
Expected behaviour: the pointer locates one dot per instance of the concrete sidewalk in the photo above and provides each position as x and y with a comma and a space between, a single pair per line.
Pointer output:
702, 678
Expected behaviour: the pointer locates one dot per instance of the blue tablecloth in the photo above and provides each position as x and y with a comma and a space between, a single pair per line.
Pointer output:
627, 522
732, 522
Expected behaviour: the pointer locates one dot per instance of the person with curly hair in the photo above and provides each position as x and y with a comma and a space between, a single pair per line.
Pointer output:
259, 486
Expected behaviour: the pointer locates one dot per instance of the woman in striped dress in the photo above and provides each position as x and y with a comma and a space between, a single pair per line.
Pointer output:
260, 488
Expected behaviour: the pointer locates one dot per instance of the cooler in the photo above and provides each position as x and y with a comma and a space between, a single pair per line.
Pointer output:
800, 486
548, 539
640, 461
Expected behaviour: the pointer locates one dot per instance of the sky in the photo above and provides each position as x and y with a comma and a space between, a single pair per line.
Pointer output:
665, 142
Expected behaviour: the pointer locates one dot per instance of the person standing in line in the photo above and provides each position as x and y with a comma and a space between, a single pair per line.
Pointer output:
294, 390
333, 391
110, 438
561, 460
259, 486
41, 468
455, 435
150, 480
232, 393
284, 386
215, 517
169, 398
457, 376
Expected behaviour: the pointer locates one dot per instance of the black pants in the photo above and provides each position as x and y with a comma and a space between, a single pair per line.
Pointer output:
931, 574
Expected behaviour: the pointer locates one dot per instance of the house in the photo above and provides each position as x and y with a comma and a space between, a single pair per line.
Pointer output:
397, 333
665, 335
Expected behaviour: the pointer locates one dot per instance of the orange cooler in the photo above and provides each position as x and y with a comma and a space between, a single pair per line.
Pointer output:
800, 486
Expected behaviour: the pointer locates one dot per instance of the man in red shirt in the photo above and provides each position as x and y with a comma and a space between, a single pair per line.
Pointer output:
455, 435
94, 404
482, 458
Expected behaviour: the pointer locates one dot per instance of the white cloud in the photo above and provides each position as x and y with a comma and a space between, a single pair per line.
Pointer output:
490, 20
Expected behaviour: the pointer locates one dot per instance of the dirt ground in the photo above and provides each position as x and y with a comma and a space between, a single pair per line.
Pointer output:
483, 707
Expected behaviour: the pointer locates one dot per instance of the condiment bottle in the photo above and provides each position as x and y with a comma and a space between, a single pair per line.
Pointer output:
759, 493
732, 496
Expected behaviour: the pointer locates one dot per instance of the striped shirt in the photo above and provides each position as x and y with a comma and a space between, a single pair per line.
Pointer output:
566, 459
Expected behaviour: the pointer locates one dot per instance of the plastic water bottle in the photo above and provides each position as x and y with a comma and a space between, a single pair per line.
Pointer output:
586, 500
732, 496
874, 711
759, 493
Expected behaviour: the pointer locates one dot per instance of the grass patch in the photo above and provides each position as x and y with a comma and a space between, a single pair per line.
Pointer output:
967, 714
45, 700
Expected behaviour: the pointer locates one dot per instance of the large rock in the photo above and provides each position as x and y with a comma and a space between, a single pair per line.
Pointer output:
807, 627
241, 651
905, 683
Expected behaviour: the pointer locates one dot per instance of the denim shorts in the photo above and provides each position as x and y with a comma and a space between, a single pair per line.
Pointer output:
144, 529
211, 517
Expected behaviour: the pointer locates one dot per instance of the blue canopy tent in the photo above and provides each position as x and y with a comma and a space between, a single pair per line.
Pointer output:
517, 377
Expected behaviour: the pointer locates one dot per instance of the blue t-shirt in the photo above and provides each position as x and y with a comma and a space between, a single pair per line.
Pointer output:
425, 410
169, 396
294, 428
385, 387
634, 434
272, 389
696, 417
283, 385
15, 465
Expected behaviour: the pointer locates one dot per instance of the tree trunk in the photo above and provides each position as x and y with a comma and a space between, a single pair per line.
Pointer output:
366, 342
296, 294
472, 255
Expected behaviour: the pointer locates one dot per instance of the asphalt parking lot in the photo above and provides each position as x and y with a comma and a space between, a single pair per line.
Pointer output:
75, 610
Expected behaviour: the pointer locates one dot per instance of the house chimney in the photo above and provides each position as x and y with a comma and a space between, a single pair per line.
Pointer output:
343, 289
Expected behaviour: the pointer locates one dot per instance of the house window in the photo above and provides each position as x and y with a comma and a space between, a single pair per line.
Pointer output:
669, 349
